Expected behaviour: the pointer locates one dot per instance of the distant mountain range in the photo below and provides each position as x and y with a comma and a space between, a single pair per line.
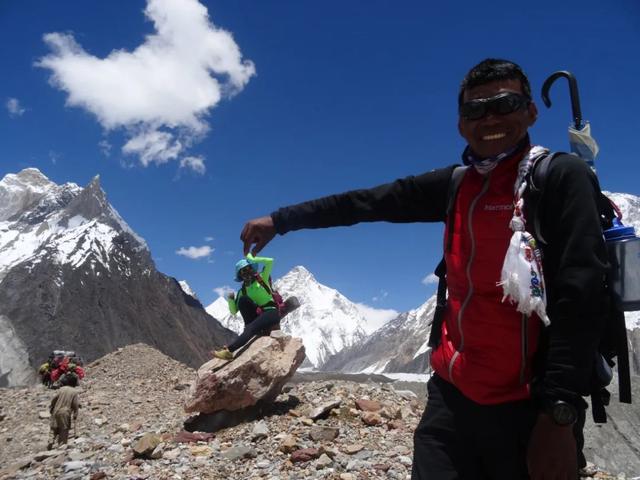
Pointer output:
74, 276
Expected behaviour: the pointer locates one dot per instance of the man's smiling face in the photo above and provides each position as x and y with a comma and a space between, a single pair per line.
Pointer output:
495, 133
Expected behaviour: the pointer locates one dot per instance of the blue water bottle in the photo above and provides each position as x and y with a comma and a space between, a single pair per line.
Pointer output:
623, 248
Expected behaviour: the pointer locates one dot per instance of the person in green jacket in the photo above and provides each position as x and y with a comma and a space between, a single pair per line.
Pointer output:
254, 301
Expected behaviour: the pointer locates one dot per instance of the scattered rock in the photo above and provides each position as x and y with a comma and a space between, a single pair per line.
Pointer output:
324, 434
383, 467
324, 461
304, 455
371, 419
368, 405
171, 454
240, 451
123, 427
44, 415
347, 476
289, 444
352, 449
200, 451
323, 410
145, 446
260, 431
395, 425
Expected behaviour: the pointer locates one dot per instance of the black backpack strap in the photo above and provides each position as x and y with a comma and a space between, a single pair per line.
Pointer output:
537, 184
622, 350
599, 400
441, 303
441, 270
454, 185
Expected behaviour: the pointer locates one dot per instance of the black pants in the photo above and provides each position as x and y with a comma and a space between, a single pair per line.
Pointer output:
458, 439
254, 324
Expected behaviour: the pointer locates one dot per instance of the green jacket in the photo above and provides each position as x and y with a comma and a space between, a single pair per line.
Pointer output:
255, 291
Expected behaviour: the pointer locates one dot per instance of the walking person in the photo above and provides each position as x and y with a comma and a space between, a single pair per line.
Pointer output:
64, 407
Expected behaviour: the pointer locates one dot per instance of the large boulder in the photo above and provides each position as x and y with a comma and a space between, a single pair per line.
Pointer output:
258, 372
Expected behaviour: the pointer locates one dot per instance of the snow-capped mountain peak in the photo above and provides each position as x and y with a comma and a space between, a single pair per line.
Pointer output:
40, 219
186, 288
20, 191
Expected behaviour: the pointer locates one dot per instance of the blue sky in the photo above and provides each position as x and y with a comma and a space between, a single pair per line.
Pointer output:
200, 116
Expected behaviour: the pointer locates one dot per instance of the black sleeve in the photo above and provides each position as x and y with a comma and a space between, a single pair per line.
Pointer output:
575, 264
412, 199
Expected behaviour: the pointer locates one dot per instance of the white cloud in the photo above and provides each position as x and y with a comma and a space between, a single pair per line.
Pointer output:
161, 92
430, 279
383, 294
223, 291
105, 147
208, 239
195, 253
194, 163
54, 157
14, 108
376, 317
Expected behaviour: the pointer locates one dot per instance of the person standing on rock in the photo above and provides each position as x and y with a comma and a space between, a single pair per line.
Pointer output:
506, 390
64, 407
255, 301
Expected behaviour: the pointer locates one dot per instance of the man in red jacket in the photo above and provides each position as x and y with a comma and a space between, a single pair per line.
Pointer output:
506, 390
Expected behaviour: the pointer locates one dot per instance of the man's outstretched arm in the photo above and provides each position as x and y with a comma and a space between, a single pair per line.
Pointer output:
412, 199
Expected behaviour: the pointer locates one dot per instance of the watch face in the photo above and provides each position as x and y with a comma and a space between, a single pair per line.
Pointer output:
564, 414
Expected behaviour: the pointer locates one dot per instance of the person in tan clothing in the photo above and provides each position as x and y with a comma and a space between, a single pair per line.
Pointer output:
63, 406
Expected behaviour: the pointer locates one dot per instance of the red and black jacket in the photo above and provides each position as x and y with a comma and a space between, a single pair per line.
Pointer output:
488, 348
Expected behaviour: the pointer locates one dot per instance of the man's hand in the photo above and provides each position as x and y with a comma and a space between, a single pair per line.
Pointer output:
257, 232
231, 295
552, 451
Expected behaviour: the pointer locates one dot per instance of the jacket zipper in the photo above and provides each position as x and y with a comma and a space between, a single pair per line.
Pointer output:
483, 190
524, 336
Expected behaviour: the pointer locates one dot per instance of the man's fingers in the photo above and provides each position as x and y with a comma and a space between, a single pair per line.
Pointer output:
246, 247
257, 233
259, 246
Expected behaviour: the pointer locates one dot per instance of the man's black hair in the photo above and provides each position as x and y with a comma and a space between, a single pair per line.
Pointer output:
491, 70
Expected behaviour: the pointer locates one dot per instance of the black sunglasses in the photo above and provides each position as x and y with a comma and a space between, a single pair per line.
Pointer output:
502, 104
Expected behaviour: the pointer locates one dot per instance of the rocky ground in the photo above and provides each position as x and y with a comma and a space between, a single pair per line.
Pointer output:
131, 421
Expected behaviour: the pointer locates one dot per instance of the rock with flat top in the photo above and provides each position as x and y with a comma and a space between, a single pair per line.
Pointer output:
258, 372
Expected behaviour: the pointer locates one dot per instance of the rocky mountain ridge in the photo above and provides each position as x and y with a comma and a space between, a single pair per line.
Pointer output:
75, 276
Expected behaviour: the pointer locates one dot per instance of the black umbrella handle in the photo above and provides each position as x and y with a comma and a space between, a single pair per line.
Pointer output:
573, 90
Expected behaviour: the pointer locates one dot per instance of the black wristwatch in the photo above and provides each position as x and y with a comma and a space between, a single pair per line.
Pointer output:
562, 413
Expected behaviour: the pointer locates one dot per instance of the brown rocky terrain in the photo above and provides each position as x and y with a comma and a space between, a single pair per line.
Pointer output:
132, 409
